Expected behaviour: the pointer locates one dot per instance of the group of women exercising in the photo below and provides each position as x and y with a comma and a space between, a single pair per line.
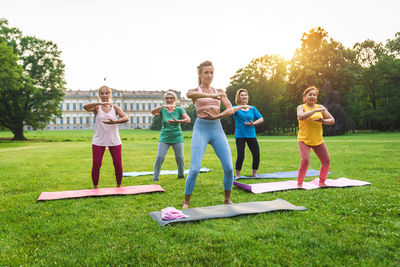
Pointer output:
207, 129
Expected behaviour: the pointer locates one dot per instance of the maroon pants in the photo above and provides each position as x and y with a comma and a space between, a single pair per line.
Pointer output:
116, 154
322, 154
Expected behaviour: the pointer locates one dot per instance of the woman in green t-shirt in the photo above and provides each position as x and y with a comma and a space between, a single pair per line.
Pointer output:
171, 133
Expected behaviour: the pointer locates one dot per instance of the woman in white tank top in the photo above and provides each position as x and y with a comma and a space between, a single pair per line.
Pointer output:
106, 134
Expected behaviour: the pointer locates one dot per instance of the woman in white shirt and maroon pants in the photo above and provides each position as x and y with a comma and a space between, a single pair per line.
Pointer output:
106, 134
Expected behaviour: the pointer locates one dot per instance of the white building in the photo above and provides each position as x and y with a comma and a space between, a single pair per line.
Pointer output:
136, 104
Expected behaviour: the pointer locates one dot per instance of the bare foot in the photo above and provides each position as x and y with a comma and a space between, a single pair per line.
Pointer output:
118, 185
299, 185
95, 186
185, 206
322, 185
228, 201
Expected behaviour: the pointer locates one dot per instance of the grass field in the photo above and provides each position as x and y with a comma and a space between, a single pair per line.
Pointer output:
357, 226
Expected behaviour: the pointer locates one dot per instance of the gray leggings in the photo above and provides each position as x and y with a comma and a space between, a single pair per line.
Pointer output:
162, 151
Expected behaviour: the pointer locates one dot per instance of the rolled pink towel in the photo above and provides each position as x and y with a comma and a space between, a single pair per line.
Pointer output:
171, 213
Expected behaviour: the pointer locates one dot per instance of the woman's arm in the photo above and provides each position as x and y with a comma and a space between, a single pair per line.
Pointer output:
254, 123
328, 118
156, 111
92, 107
229, 110
194, 94
302, 115
123, 117
185, 120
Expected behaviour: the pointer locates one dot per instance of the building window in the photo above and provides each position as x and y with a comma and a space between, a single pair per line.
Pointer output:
94, 120
87, 120
61, 121
137, 106
149, 105
125, 106
131, 106
67, 106
144, 119
149, 119
119, 104
155, 105
67, 120
80, 106
74, 120
61, 106
143, 106
131, 119
80, 120
74, 106
137, 120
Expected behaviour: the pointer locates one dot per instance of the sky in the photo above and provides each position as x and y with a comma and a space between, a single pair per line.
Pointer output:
157, 44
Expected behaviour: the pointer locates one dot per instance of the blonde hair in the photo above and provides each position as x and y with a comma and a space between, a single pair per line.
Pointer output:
308, 90
171, 93
237, 97
104, 87
201, 67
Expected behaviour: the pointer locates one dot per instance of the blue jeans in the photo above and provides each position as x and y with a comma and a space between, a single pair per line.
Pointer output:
209, 132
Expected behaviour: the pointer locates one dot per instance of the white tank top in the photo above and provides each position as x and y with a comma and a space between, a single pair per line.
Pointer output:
106, 134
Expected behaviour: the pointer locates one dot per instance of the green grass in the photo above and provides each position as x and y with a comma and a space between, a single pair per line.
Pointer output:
357, 226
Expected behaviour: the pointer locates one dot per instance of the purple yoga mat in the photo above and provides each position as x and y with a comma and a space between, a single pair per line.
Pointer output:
292, 184
127, 190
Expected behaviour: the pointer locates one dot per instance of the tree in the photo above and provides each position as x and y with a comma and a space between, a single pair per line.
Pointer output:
319, 60
377, 88
332, 103
13, 85
265, 80
38, 93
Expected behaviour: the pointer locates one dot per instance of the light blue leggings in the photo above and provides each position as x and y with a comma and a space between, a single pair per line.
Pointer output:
209, 132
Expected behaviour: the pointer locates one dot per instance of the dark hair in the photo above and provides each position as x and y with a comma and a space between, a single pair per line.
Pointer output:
201, 66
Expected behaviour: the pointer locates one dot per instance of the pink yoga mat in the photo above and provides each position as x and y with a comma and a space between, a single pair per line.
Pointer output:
292, 184
127, 190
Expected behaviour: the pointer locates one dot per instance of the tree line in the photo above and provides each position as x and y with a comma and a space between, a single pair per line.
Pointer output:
360, 86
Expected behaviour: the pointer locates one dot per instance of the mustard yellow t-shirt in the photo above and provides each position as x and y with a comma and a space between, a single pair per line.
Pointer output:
310, 132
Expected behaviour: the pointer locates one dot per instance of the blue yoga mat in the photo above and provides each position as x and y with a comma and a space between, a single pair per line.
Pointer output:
278, 175
163, 172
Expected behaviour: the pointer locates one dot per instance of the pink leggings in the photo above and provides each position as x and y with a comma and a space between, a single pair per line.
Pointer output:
322, 154
98, 152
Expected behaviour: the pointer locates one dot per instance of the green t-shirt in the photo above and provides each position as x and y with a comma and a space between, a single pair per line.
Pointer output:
171, 133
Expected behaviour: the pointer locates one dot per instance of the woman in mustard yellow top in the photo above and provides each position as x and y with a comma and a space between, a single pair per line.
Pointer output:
311, 116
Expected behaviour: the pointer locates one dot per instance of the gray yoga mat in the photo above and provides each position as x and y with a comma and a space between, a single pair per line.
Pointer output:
223, 211
163, 172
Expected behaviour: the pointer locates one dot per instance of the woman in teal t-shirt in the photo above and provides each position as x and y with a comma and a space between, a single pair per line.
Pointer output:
171, 133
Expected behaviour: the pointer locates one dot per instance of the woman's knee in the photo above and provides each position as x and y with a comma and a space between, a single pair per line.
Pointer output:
305, 162
326, 161
228, 169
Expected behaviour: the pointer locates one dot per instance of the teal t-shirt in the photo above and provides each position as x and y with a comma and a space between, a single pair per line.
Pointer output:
241, 129
171, 133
